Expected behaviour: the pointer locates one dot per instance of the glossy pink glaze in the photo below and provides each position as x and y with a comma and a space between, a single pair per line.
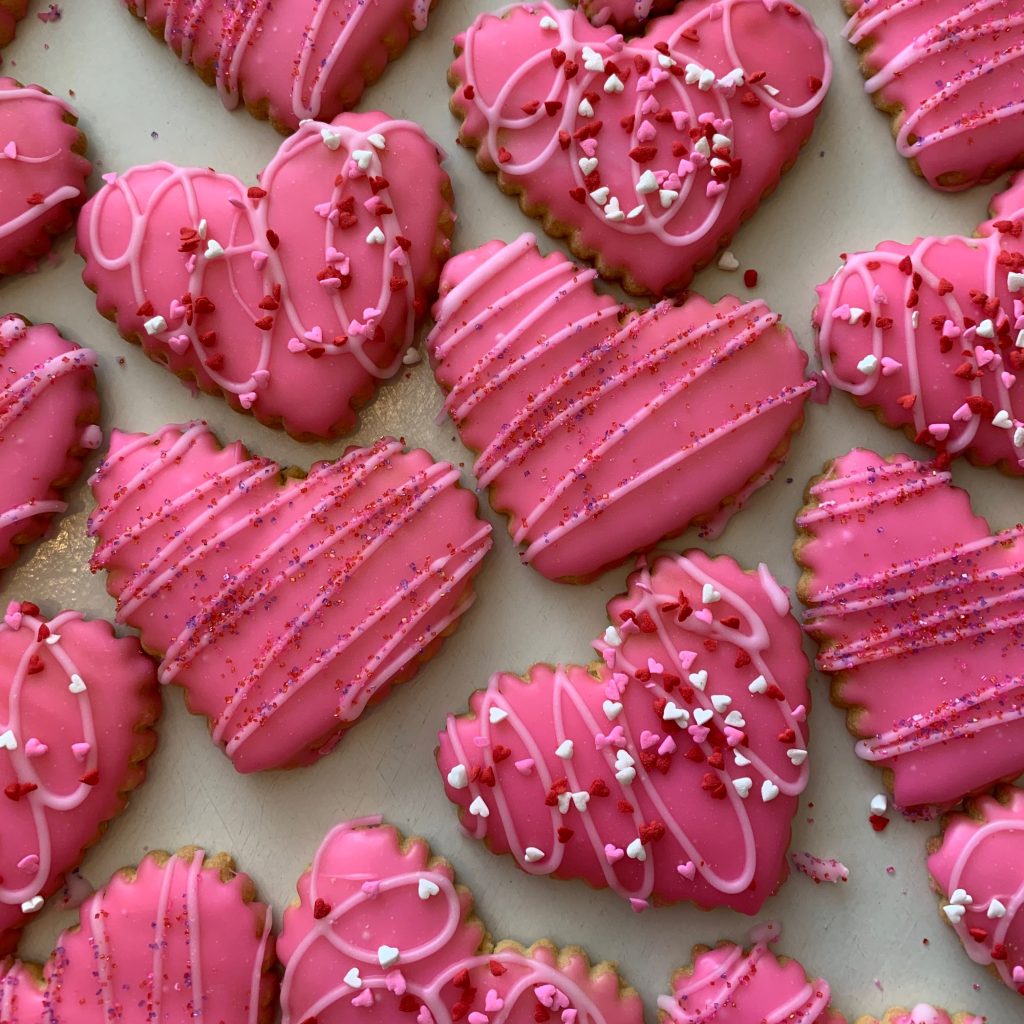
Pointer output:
941, 325
48, 414
290, 61
730, 985
917, 609
983, 854
687, 831
601, 429
360, 233
712, 152
952, 69
175, 942
283, 609
75, 718
41, 180
374, 888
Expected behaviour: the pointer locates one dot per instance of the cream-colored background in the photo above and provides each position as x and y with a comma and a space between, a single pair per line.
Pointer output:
848, 191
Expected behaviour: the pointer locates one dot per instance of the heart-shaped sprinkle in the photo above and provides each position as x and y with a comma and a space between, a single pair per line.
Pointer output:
352, 978
425, 888
387, 956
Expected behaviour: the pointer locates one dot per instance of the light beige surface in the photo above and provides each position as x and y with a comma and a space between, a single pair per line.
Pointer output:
878, 939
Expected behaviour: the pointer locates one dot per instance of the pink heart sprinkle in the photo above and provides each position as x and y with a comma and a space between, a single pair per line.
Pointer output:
799, 713
29, 864
655, 667
704, 615
940, 431
983, 356
261, 378
247, 399
35, 748
259, 259
687, 870
80, 750
178, 343
841, 312
890, 366
650, 105
322, 209
395, 983
109, 178
646, 132
668, 746
698, 733
315, 335
476, 1017
648, 739
365, 998
1018, 974
1008, 379
525, 767
638, 906
734, 737
963, 413
424, 1016
569, 1016
613, 853
686, 659
371, 888
294, 345
11, 150
680, 119
778, 119
12, 617
714, 188
493, 1002
879, 297
176, 311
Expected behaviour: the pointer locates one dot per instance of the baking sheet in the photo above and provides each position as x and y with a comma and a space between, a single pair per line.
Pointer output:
878, 939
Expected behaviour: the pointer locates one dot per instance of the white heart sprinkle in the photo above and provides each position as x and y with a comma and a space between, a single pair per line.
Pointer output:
496, 715
735, 719
352, 979
479, 807
77, 684
331, 139
703, 715
954, 913
636, 850
1015, 281
699, 679
879, 803
376, 140
362, 158
613, 84
592, 61
580, 799
532, 854
868, 364
647, 183
709, 595
727, 261
625, 775
458, 777
611, 637
375, 237
986, 329
600, 195
214, 250
759, 685
667, 196
154, 325
548, 23
8, 741
564, 750
720, 701
32, 905
674, 713
1002, 419
769, 791
995, 909
425, 888
740, 759
742, 786
387, 956
585, 110
796, 755
612, 709
961, 898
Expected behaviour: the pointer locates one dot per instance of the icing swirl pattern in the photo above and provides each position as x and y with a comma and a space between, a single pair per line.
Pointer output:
286, 605
77, 707
917, 610
289, 62
931, 335
42, 171
950, 73
978, 867
294, 298
672, 770
382, 931
647, 155
601, 429
48, 414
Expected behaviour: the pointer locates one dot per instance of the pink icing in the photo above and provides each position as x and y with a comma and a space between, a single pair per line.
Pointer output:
335, 256
648, 169
176, 939
41, 180
917, 609
48, 408
602, 429
931, 334
950, 70
688, 745
982, 854
290, 61
22, 998
11, 11
283, 608
76, 707
373, 888
728, 985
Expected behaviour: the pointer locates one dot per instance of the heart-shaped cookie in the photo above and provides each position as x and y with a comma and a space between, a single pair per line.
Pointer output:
42, 172
646, 155
600, 429
733, 985
181, 937
381, 932
931, 336
917, 608
670, 772
283, 603
948, 71
294, 298
77, 707
11, 12
48, 414
977, 865
289, 62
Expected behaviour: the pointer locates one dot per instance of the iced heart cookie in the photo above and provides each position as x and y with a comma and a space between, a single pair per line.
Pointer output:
180, 937
48, 414
382, 932
648, 155
672, 770
289, 62
948, 71
283, 603
930, 335
977, 864
11, 12
293, 298
601, 429
42, 172
923, 1013
77, 708
733, 985
916, 607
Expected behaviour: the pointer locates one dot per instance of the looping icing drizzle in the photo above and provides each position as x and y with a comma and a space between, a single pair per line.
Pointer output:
318, 593
623, 435
931, 334
952, 69
303, 60
707, 710
381, 924
903, 581
654, 150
